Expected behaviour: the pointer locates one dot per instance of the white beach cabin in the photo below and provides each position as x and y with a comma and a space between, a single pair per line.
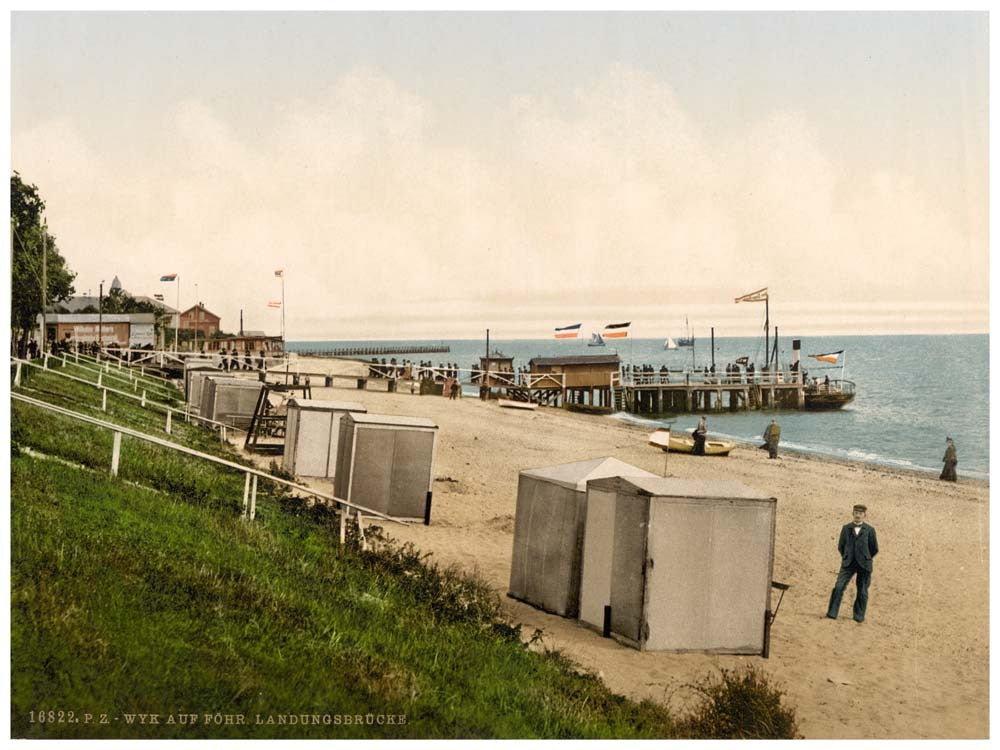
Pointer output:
386, 463
231, 401
684, 565
312, 432
196, 368
549, 528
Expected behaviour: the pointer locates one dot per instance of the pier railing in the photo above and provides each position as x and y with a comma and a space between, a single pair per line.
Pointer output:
699, 377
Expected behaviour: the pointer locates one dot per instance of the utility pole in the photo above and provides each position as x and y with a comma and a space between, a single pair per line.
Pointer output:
100, 316
45, 288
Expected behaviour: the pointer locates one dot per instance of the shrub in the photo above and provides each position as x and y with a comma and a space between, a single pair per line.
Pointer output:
739, 704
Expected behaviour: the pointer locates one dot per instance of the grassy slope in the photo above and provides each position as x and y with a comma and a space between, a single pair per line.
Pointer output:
147, 593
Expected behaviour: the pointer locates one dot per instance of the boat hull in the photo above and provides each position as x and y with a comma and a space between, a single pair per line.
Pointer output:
682, 442
827, 401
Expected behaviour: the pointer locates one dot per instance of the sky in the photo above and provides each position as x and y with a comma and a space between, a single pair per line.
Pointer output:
432, 175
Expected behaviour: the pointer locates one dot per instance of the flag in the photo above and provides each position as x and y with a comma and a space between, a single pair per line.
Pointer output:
279, 273
759, 296
158, 296
274, 303
568, 332
168, 277
743, 361
616, 330
831, 357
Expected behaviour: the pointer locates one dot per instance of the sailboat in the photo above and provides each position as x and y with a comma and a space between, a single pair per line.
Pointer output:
669, 343
596, 340
687, 340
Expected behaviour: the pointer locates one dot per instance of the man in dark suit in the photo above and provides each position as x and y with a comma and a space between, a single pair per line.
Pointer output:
857, 546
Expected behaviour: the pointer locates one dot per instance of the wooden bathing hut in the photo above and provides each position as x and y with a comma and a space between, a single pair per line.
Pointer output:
679, 564
549, 528
585, 380
500, 369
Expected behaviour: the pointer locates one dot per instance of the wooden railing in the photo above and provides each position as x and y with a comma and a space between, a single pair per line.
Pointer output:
252, 474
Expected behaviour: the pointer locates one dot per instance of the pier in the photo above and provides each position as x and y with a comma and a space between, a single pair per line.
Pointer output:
362, 351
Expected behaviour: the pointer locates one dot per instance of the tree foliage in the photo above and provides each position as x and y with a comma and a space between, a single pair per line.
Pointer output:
26, 207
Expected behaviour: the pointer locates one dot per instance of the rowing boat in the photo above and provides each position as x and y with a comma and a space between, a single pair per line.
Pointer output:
683, 442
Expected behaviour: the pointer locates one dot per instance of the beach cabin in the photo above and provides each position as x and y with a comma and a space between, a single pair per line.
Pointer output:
678, 565
204, 366
231, 401
587, 378
548, 531
500, 368
312, 432
386, 463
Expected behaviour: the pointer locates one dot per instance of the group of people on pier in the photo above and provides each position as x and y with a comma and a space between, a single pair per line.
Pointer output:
734, 374
405, 369
229, 359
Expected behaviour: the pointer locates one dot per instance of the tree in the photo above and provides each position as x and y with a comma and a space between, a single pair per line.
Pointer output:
26, 207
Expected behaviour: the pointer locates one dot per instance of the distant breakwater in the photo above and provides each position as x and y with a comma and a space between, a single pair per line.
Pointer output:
358, 351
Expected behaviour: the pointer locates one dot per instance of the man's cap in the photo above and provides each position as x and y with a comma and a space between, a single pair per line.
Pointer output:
862, 508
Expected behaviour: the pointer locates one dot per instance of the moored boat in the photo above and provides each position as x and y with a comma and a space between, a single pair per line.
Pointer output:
683, 442
824, 395
596, 340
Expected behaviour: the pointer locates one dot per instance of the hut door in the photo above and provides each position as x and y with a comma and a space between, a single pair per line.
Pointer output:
708, 586
628, 574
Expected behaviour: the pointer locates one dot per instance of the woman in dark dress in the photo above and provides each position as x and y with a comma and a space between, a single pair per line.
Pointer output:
950, 461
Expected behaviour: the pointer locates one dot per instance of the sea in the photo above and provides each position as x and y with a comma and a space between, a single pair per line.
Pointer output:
913, 391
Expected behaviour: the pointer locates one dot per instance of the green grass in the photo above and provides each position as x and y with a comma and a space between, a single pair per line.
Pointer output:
156, 389
147, 593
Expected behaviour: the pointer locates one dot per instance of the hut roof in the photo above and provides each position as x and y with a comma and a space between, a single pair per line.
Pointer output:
312, 404
392, 420
580, 359
576, 475
696, 488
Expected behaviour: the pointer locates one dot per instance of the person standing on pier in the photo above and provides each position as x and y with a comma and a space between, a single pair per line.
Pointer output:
857, 546
950, 459
771, 436
699, 437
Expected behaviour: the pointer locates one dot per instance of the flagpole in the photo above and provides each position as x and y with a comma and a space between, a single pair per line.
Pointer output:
282, 309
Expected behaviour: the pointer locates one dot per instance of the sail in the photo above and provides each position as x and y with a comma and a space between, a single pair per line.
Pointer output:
669, 343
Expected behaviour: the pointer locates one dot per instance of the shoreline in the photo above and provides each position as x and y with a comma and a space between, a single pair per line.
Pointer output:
360, 367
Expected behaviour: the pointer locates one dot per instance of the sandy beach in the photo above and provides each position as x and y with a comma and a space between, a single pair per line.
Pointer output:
917, 668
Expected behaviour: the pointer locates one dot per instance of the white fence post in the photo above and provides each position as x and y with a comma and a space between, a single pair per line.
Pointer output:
64, 360
343, 526
116, 454
222, 433
253, 499
246, 493
17, 374
45, 361
104, 399
100, 378
144, 399
361, 532
169, 414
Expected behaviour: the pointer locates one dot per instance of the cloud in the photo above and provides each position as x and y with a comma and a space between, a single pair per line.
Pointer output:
618, 201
